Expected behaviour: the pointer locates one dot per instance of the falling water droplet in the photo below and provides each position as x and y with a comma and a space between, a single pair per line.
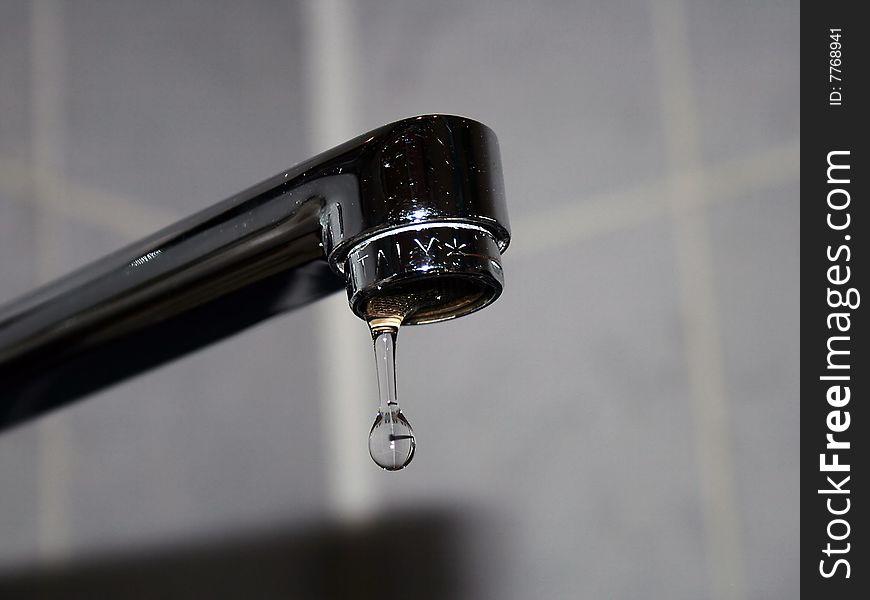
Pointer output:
391, 440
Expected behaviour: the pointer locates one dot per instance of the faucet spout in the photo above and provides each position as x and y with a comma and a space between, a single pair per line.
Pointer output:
414, 208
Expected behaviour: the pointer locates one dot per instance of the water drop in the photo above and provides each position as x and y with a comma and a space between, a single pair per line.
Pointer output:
391, 439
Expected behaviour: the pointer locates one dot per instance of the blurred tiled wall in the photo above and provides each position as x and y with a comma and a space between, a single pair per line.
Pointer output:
626, 414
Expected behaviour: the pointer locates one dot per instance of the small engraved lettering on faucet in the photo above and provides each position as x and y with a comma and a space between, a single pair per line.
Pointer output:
455, 248
144, 259
427, 247
362, 264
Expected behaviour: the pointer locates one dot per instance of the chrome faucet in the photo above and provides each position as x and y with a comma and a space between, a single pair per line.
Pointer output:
412, 208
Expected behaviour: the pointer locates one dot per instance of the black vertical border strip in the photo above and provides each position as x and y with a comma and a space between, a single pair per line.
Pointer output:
826, 128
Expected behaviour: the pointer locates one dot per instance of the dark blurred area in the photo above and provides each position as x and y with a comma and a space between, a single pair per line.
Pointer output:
417, 555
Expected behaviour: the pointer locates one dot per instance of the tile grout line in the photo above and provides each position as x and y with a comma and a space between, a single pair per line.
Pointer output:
346, 405
53, 535
694, 256
605, 212
82, 203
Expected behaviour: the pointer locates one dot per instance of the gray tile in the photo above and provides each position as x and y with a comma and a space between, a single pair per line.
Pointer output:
563, 409
568, 88
180, 105
14, 78
18, 259
18, 496
746, 74
756, 251
18, 448
215, 442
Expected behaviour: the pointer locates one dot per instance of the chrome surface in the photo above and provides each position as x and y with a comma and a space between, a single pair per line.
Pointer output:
419, 203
